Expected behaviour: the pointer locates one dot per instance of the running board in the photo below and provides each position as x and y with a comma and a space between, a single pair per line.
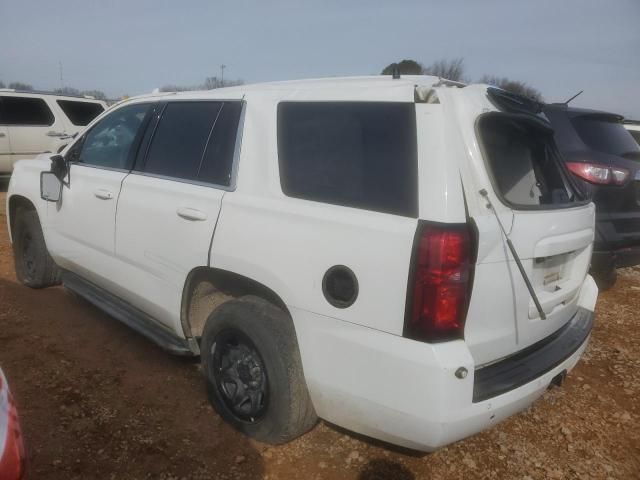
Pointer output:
129, 315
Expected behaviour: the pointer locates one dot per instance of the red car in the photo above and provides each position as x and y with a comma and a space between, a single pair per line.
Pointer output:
12, 457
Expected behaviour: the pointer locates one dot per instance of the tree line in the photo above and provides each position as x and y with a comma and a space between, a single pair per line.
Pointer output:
454, 69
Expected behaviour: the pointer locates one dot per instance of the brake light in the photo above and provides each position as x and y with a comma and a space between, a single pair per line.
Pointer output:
599, 174
12, 458
440, 286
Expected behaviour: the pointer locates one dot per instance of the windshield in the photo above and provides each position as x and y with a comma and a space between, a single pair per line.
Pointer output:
607, 135
526, 168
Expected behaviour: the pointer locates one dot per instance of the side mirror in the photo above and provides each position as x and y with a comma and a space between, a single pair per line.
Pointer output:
50, 187
59, 167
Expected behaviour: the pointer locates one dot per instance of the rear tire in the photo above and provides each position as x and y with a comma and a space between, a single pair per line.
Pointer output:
605, 278
253, 370
34, 266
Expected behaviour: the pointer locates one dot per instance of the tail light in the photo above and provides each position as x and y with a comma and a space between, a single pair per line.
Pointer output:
440, 282
12, 457
599, 174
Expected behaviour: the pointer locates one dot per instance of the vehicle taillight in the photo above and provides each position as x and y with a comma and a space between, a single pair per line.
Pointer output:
12, 458
599, 174
440, 285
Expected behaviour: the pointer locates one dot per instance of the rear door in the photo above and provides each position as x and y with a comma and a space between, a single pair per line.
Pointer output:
32, 126
169, 205
551, 227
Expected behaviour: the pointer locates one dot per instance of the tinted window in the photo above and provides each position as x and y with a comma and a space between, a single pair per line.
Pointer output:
353, 154
180, 139
25, 111
524, 162
109, 142
636, 135
80, 113
195, 141
217, 164
605, 135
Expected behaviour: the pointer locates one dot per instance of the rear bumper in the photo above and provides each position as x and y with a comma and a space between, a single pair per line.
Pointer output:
406, 392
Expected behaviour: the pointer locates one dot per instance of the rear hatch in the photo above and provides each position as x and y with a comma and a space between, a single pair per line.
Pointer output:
514, 157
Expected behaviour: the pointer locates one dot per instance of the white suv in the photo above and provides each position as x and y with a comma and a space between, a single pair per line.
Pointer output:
36, 122
327, 247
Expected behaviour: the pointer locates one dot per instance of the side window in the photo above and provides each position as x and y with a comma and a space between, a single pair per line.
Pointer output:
217, 164
80, 113
354, 154
195, 141
109, 142
25, 111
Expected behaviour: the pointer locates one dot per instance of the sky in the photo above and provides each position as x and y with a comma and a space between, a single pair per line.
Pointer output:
131, 47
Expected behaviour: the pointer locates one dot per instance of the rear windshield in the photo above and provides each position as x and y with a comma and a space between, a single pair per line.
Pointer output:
80, 113
356, 154
606, 135
524, 162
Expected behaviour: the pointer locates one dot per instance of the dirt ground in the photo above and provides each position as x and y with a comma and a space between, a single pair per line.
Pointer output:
98, 401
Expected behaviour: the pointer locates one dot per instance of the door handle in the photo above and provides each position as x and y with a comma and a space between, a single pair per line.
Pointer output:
61, 135
2, 135
191, 214
103, 194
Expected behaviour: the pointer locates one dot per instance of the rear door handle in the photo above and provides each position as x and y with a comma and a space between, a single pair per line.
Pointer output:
60, 135
103, 194
191, 214
2, 135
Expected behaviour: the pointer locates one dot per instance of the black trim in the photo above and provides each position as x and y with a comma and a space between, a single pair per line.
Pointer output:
534, 361
127, 314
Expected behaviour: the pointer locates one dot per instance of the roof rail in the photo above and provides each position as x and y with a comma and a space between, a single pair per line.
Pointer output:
45, 92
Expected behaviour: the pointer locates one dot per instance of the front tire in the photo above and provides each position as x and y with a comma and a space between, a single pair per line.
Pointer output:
253, 370
34, 266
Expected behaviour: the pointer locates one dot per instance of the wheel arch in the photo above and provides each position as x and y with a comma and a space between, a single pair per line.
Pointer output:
14, 203
207, 288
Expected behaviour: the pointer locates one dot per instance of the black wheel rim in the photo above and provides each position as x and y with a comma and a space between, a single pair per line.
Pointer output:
240, 375
28, 255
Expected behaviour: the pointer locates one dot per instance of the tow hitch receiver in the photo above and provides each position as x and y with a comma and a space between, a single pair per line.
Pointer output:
558, 380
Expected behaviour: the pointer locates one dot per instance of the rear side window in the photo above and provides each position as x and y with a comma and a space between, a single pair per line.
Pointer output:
636, 135
523, 162
355, 154
605, 134
195, 141
80, 113
25, 111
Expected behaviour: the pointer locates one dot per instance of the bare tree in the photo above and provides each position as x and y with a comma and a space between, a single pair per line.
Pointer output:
67, 91
449, 69
20, 86
513, 86
209, 84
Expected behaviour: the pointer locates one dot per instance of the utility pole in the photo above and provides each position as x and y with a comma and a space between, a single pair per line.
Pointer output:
61, 79
222, 67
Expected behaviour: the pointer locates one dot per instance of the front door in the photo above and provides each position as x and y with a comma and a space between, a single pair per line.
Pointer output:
82, 223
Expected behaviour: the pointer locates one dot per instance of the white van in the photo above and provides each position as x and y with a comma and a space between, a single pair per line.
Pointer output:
406, 258
35, 122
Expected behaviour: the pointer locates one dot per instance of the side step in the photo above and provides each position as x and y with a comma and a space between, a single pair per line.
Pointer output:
129, 315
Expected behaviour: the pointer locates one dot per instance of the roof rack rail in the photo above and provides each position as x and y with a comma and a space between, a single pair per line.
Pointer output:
45, 92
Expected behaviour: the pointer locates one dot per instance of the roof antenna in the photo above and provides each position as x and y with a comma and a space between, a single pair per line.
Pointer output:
395, 73
567, 102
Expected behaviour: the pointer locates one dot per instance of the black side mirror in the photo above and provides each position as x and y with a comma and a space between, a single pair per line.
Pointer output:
59, 167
